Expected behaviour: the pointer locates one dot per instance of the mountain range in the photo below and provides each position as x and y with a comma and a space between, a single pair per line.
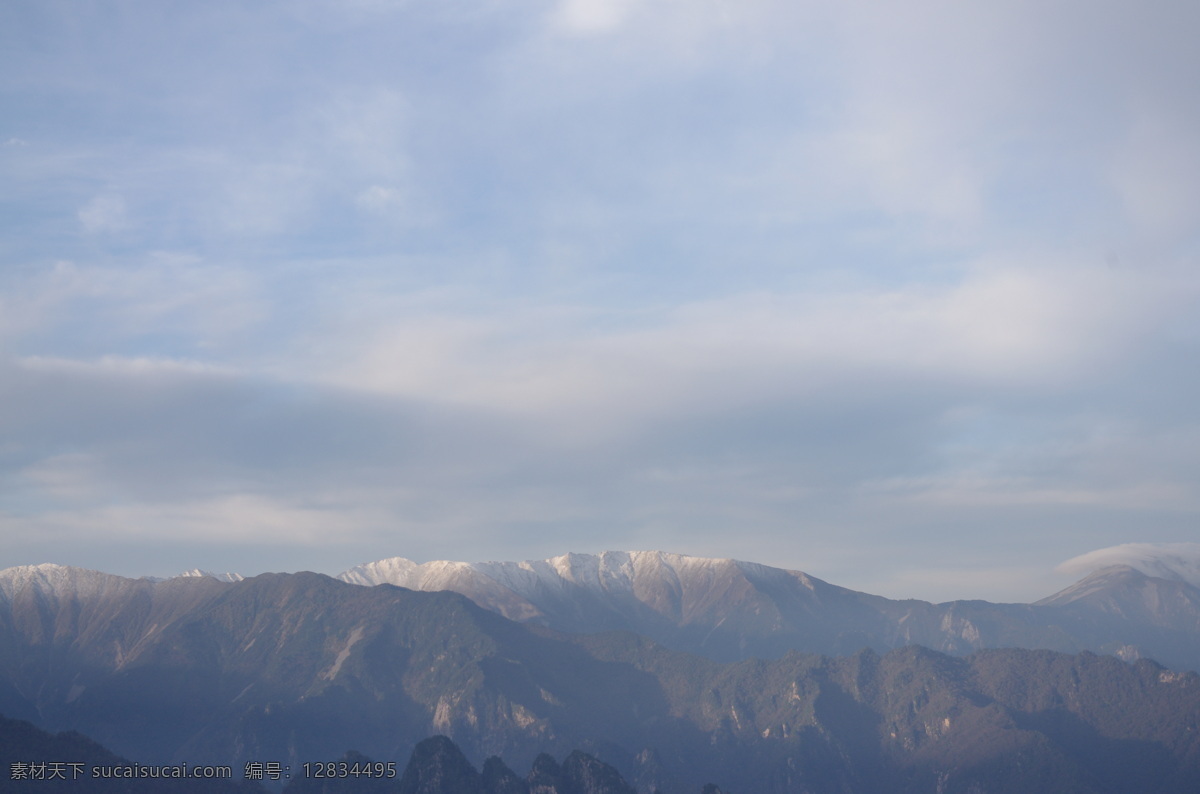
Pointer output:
749, 677
730, 610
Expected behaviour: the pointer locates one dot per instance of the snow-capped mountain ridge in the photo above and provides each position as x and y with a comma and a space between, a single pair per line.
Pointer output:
608, 570
51, 580
660, 581
710, 605
731, 609
721, 608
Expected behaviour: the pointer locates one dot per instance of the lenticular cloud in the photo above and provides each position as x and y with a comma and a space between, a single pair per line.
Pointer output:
1178, 561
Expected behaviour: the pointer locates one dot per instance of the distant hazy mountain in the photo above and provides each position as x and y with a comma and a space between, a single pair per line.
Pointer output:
302, 667
729, 610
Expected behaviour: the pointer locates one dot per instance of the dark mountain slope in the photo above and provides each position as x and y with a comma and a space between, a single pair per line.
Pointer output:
913, 717
288, 667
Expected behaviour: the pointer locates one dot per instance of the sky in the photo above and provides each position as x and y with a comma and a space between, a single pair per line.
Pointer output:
905, 296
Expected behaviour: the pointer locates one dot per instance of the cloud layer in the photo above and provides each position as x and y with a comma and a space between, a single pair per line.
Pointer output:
905, 298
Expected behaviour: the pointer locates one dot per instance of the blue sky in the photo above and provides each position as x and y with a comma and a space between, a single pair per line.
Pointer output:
903, 297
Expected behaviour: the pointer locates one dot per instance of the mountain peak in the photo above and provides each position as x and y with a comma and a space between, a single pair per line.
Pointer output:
1128, 593
392, 570
1179, 562
220, 577
1097, 584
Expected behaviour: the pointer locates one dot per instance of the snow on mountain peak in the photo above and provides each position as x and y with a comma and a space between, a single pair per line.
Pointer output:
1175, 561
394, 570
52, 579
530, 590
55, 581
220, 577
607, 570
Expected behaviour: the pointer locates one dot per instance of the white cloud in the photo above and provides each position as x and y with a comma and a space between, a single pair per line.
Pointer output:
367, 130
234, 520
105, 213
379, 199
963, 489
265, 198
65, 477
1002, 326
592, 16
393, 205
159, 292
123, 366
